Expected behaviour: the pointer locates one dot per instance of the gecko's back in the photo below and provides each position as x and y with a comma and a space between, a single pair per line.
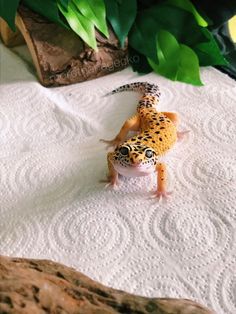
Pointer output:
157, 129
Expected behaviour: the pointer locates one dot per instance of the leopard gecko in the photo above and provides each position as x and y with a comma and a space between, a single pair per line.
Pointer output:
157, 133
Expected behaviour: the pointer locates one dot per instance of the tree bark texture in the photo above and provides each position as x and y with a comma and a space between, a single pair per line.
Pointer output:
29, 286
59, 55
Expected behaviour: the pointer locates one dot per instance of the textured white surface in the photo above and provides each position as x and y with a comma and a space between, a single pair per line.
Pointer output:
53, 206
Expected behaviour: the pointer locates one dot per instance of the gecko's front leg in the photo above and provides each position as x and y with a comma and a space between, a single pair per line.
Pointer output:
161, 191
112, 177
132, 124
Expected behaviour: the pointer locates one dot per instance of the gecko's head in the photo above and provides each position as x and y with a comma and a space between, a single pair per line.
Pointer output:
138, 159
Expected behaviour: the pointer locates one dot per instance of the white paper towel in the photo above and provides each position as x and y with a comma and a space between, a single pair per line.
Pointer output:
53, 206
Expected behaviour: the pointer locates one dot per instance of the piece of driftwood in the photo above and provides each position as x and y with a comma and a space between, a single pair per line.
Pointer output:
59, 55
29, 286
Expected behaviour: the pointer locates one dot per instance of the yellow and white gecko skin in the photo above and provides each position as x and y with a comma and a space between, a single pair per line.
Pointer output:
139, 155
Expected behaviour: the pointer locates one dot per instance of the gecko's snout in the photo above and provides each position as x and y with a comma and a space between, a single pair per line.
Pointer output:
135, 160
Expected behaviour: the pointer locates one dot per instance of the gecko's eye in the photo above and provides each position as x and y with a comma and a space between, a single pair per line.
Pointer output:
124, 151
149, 153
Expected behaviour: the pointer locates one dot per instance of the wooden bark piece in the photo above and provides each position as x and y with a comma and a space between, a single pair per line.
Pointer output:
9, 37
59, 55
30, 286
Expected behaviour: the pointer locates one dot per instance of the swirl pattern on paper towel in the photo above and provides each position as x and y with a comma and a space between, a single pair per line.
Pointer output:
18, 237
99, 235
198, 234
206, 171
151, 275
53, 205
221, 127
223, 286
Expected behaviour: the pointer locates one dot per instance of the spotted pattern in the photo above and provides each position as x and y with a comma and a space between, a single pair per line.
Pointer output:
136, 153
157, 131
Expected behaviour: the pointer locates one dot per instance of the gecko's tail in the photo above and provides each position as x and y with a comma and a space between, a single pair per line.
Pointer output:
141, 87
150, 93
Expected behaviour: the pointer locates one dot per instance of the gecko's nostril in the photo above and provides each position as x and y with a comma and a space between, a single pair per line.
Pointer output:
136, 161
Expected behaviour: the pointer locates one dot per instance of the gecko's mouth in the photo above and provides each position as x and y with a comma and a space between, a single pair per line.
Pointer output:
137, 170
137, 166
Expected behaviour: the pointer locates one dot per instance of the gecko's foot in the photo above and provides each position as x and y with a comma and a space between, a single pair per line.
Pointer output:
111, 182
161, 195
182, 134
111, 143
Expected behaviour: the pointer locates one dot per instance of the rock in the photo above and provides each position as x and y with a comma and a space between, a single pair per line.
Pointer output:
31, 286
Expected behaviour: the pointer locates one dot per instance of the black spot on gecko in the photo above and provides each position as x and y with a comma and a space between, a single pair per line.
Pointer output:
160, 139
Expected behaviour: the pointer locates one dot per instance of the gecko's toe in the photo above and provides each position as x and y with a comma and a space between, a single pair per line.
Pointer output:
181, 135
161, 195
110, 143
112, 186
110, 183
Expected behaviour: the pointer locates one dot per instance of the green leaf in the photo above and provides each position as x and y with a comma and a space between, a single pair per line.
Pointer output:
80, 24
142, 37
65, 3
188, 6
176, 61
47, 8
94, 10
177, 21
209, 52
8, 12
121, 14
